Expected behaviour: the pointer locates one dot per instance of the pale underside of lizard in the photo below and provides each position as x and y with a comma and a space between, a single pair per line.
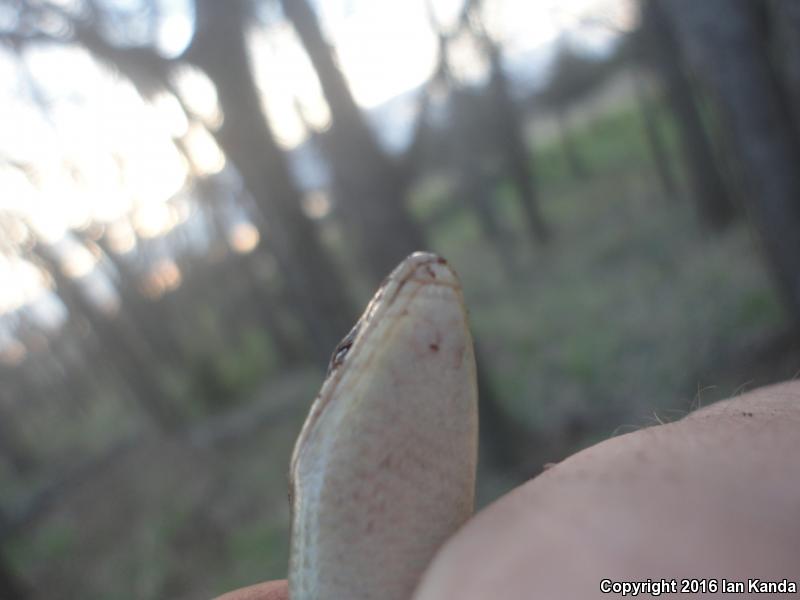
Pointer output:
384, 469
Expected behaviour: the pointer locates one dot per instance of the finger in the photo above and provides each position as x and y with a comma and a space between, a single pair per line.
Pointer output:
714, 495
270, 590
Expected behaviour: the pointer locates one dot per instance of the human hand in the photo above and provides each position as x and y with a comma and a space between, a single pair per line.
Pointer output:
716, 494
270, 590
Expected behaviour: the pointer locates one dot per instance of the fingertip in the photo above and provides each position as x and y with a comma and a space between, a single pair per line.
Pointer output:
269, 590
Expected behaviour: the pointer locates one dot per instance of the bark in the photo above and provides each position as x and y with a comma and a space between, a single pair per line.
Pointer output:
248, 141
723, 42
372, 187
713, 202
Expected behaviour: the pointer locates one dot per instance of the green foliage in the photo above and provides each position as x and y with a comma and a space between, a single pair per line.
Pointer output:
218, 379
759, 307
239, 371
55, 543
611, 143
627, 307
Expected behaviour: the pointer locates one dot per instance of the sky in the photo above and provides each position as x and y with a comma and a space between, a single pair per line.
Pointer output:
103, 155
387, 47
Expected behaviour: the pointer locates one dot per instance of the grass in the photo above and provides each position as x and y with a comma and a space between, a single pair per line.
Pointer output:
615, 320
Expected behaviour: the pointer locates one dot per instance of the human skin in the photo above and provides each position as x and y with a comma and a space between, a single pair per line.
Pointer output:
714, 495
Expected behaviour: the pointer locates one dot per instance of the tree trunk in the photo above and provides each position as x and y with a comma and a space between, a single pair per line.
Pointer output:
712, 199
723, 43
655, 141
475, 181
372, 189
509, 132
247, 139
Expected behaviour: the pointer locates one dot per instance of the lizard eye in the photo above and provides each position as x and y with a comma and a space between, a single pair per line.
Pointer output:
341, 351
340, 354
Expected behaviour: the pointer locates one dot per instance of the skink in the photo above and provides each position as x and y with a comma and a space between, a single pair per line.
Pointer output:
384, 469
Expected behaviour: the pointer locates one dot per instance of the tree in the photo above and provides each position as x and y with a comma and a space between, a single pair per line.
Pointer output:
655, 140
708, 188
218, 48
466, 146
318, 293
371, 185
508, 127
469, 117
723, 42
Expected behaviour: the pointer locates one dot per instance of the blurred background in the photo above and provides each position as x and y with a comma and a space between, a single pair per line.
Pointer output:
198, 197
